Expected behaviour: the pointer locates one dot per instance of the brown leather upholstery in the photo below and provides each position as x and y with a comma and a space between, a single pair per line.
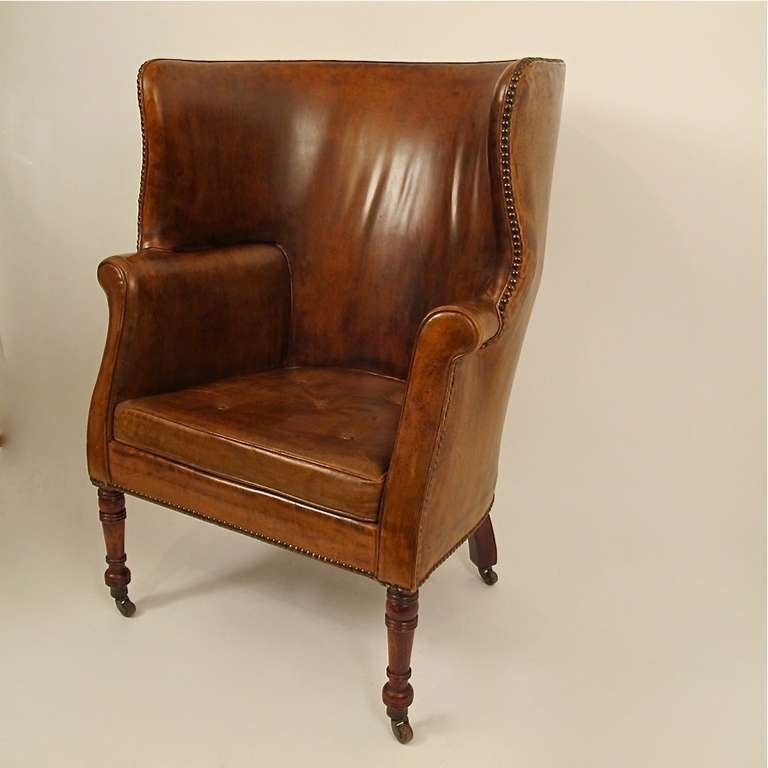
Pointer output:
320, 435
345, 257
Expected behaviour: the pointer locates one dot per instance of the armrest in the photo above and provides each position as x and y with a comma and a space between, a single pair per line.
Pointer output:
457, 329
450, 338
177, 319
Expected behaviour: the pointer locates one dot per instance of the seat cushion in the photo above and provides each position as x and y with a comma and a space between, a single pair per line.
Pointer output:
323, 436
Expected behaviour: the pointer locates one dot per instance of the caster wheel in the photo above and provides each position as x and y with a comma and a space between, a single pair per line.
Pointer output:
125, 606
489, 576
402, 730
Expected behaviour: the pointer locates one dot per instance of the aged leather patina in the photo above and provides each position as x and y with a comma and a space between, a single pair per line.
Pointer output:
315, 341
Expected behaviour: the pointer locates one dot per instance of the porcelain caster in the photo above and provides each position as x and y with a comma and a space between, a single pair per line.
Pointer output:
402, 730
489, 576
124, 605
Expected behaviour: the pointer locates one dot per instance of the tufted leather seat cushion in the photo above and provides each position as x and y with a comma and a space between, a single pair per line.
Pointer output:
322, 436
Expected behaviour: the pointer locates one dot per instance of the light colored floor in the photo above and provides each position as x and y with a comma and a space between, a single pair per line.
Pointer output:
584, 654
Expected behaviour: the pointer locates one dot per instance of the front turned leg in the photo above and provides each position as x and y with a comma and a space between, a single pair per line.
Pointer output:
401, 617
482, 551
117, 575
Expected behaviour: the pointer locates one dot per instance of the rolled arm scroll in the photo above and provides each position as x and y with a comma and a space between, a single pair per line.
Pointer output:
177, 319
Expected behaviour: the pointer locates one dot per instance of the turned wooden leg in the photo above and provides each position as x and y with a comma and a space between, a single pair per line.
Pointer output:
482, 551
117, 575
401, 617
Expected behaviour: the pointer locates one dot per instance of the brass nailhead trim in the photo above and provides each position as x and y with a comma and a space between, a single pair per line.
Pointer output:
232, 526
140, 94
506, 185
507, 191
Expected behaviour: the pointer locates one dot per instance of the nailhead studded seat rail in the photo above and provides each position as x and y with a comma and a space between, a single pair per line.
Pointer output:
315, 340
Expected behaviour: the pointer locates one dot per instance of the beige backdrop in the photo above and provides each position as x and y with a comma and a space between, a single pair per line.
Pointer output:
627, 626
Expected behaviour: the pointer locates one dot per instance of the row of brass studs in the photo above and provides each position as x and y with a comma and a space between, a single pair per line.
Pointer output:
143, 154
506, 180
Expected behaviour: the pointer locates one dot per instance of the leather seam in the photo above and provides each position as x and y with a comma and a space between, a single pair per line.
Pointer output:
288, 347
343, 368
377, 374
259, 448
377, 62
247, 531
434, 461
111, 405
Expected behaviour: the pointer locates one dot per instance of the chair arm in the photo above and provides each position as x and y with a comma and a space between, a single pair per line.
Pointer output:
177, 319
448, 336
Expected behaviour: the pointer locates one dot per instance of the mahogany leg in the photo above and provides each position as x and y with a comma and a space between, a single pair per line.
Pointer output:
401, 617
482, 551
117, 575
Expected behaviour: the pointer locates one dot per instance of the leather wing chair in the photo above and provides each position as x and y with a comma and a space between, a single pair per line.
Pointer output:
315, 341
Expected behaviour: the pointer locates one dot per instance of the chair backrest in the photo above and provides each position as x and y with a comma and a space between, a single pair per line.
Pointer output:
383, 183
